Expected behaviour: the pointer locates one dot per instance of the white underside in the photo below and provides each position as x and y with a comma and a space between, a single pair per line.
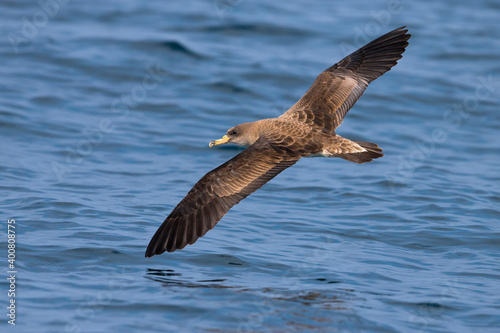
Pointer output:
326, 153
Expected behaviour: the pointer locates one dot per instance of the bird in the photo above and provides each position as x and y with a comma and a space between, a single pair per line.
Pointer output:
307, 129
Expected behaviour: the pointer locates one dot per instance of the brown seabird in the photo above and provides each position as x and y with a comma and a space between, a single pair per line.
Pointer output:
306, 129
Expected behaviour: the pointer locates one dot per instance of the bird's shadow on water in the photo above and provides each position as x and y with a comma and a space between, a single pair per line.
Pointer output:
169, 278
326, 297
321, 308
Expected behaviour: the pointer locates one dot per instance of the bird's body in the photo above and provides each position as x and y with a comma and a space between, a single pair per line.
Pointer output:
306, 129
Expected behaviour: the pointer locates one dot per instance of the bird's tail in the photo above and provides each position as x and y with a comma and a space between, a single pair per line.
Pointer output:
372, 152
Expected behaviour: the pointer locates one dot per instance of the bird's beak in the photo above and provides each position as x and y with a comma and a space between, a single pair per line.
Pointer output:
225, 139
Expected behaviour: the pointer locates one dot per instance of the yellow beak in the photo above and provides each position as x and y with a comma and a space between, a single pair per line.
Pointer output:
225, 139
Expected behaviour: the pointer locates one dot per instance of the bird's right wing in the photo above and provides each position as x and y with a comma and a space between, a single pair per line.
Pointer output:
336, 89
219, 190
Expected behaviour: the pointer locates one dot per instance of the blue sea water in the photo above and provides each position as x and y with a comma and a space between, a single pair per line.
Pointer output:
106, 112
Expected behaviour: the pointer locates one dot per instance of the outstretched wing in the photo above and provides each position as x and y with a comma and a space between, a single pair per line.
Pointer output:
219, 190
337, 88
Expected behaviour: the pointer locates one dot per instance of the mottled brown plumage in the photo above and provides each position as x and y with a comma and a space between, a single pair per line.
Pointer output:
306, 129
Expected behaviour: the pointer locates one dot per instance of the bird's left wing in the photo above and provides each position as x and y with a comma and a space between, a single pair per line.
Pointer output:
219, 190
337, 88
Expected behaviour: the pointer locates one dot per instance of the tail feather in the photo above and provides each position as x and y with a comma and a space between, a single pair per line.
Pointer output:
372, 152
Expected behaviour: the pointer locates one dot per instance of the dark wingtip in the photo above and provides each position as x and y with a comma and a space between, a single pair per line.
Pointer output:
170, 236
378, 56
149, 252
404, 31
153, 248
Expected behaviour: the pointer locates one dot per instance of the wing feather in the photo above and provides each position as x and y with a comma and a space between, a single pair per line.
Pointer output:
335, 90
219, 190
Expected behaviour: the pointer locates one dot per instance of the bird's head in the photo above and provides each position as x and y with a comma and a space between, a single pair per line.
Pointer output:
243, 135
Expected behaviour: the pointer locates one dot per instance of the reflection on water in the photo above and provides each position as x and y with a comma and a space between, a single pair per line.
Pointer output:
167, 278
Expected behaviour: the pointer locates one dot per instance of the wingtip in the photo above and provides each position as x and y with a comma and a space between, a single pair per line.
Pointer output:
148, 253
152, 250
404, 29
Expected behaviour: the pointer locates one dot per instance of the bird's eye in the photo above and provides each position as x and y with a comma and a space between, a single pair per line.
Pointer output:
233, 132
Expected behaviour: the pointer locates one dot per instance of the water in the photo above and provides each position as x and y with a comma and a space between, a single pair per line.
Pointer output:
106, 112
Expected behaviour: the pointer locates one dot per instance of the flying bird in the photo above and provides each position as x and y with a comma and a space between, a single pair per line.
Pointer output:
306, 129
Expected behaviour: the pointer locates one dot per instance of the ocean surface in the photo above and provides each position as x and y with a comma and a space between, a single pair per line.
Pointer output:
106, 112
